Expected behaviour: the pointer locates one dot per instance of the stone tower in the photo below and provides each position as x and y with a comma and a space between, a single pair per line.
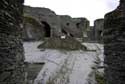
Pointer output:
11, 48
114, 45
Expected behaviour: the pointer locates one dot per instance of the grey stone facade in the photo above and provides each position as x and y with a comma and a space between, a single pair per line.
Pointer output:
114, 45
49, 24
82, 26
91, 34
98, 29
33, 29
53, 25
45, 17
11, 47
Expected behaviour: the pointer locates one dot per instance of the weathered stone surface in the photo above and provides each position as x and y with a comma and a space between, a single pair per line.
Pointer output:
54, 25
91, 34
114, 45
44, 16
74, 27
11, 49
98, 28
82, 25
51, 25
33, 30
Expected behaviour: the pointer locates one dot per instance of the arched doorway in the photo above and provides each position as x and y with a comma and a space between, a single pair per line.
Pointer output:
47, 29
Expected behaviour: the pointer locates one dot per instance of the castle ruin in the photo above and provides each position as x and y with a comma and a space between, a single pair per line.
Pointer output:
41, 23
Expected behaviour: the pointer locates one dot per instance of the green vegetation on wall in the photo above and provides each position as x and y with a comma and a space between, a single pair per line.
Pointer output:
100, 78
31, 20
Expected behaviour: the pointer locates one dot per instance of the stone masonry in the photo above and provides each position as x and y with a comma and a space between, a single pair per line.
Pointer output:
46, 23
53, 25
11, 47
45, 17
98, 29
114, 45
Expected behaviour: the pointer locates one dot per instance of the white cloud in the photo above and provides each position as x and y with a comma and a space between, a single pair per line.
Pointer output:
91, 9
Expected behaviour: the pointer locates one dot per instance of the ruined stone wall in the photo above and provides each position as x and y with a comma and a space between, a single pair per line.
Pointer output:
11, 47
75, 27
114, 45
68, 26
91, 34
98, 28
44, 15
82, 25
33, 30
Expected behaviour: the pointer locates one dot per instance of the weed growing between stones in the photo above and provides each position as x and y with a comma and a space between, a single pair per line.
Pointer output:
100, 78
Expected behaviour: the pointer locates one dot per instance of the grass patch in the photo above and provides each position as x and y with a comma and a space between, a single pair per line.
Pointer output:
65, 44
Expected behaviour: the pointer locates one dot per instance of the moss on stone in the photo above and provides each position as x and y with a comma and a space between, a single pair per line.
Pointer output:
100, 78
31, 20
65, 44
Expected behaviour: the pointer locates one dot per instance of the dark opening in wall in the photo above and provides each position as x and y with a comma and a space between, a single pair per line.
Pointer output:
78, 25
67, 24
63, 31
100, 33
47, 29
71, 35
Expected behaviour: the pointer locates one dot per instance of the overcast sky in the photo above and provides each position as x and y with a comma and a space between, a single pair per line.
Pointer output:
91, 9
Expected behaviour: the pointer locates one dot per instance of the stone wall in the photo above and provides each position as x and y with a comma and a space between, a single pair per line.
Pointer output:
59, 24
91, 34
82, 25
114, 45
11, 47
98, 29
67, 26
44, 15
33, 30
74, 27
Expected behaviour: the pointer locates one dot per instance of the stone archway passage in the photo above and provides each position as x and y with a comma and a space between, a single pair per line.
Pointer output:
47, 29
